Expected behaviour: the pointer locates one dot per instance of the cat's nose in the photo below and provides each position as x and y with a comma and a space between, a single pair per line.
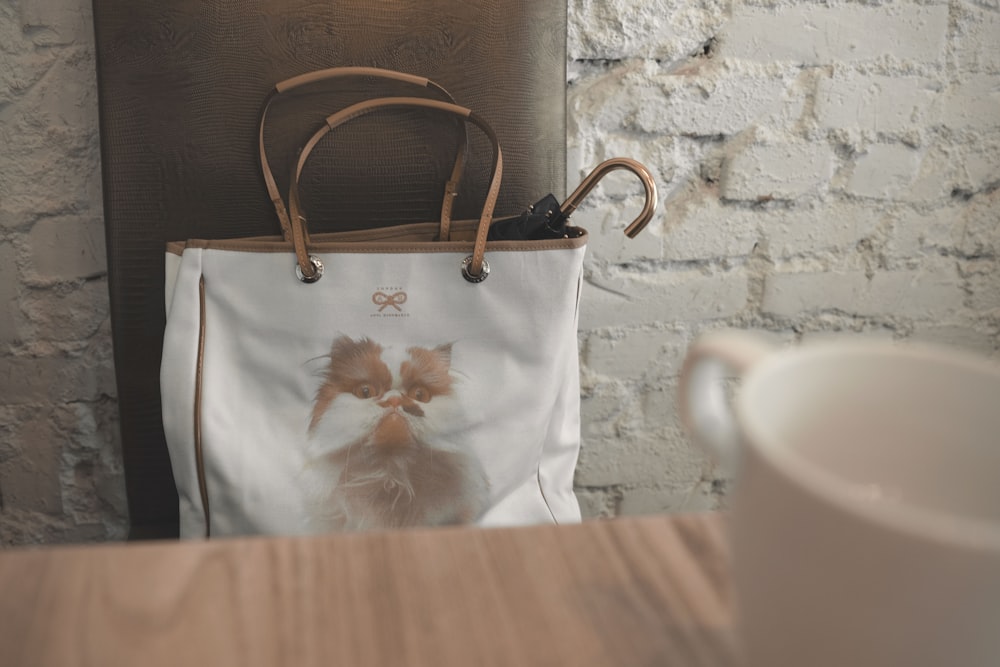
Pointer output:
393, 401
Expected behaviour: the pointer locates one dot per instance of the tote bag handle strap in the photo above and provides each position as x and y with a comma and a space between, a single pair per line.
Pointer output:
474, 268
451, 188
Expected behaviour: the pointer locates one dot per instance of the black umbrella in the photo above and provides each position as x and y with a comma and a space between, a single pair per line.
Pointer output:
547, 219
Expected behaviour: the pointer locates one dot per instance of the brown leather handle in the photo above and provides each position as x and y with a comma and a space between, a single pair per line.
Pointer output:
451, 188
337, 72
300, 234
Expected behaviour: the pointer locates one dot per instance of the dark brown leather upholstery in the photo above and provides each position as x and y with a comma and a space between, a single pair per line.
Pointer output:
181, 85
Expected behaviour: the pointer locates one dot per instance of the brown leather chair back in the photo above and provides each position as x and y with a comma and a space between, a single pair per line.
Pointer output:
181, 85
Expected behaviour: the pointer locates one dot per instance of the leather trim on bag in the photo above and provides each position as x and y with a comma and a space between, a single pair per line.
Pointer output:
199, 455
398, 243
176, 247
390, 248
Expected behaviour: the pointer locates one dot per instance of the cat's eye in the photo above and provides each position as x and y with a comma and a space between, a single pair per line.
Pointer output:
363, 391
420, 394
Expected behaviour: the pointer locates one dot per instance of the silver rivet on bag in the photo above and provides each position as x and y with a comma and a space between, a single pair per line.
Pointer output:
482, 274
317, 270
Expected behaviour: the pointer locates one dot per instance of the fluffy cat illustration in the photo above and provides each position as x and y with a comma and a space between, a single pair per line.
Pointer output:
382, 443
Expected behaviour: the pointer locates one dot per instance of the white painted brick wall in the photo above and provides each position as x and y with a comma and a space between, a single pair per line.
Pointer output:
977, 34
786, 170
627, 297
822, 35
825, 169
972, 104
883, 171
832, 171
879, 104
933, 291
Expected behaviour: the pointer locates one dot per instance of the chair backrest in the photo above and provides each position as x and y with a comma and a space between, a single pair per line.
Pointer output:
181, 85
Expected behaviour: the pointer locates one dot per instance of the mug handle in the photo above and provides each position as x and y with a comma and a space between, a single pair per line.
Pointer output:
705, 409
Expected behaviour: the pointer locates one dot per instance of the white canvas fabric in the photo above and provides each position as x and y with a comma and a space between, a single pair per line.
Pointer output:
511, 405
372, 380
404, 376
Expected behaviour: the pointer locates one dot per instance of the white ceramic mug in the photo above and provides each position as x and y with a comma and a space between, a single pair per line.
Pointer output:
865, 519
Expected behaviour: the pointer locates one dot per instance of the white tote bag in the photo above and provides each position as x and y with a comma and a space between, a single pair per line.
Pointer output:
376, 379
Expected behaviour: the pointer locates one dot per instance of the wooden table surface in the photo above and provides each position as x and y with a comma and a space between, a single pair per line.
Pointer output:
637, 591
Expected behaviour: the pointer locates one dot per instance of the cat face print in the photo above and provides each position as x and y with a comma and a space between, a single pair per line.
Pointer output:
385, 398
383, 445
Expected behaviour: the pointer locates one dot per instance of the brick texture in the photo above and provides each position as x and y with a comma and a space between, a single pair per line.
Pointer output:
877, 104
8, 295
60, 478
884, 171
813, 34
68, 248
777, 171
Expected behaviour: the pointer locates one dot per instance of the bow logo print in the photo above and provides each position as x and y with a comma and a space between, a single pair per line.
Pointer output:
383, 300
